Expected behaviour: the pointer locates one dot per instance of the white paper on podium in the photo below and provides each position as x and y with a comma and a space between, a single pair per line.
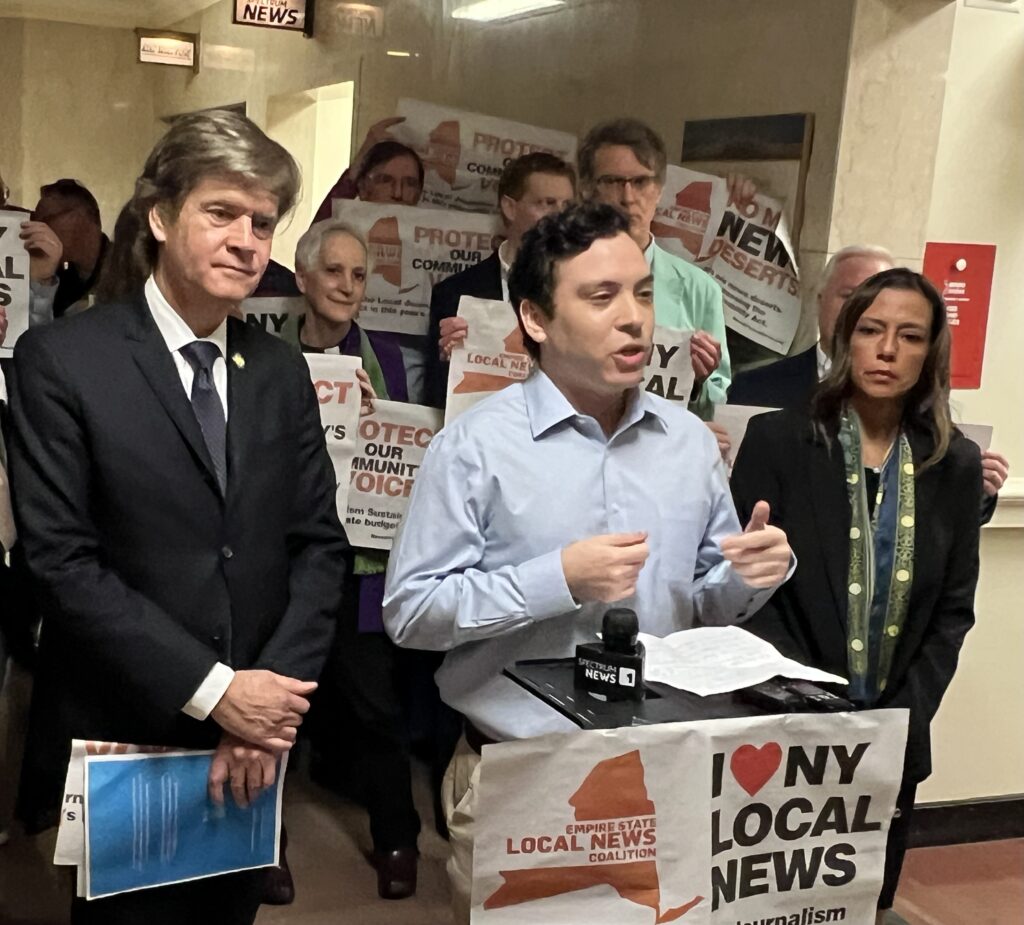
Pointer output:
719, 659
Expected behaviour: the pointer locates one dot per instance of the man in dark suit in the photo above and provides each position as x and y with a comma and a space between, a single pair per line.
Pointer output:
177, 505
530, 187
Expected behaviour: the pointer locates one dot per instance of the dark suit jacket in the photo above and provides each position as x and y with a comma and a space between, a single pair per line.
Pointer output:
482, 281
147, 575
783, 462
786, 383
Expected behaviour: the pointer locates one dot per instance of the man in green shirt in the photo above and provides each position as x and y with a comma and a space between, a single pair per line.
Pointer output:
622, 163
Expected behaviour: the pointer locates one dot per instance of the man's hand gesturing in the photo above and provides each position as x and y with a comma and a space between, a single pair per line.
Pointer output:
605, 568
761, 554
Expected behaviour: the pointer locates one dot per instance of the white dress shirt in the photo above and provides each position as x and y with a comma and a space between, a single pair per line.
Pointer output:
177, 334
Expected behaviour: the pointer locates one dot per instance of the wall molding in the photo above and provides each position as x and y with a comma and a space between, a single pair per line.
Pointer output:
958, 821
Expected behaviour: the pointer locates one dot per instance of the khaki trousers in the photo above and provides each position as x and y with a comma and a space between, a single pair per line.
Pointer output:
459, 794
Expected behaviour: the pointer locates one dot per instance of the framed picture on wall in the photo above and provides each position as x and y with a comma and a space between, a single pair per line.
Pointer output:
774, 150
178, 49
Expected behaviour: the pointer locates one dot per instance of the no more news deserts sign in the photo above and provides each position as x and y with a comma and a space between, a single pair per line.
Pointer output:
747, 250
412, 249
464, 153
773, 820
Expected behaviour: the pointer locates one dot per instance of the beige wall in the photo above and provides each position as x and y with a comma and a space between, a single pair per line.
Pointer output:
978, 196
84, 108
664, 61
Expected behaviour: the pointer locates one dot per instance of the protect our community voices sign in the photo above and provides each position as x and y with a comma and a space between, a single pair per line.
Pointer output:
776, 820
464, 153
745, 248
493, 357
411, 249
376, 456
14, 278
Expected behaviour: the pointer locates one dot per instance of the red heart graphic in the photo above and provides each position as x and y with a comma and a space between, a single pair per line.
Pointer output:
754, 767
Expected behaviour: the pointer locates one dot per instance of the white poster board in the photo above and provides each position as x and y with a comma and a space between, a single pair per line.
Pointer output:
411, 249
390, 450
337, 391
14, 278
464, 153
491, 357
747, 251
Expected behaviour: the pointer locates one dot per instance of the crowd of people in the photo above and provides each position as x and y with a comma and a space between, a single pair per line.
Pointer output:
180, 575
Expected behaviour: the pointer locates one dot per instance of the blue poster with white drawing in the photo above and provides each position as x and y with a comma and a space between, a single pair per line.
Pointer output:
149, 821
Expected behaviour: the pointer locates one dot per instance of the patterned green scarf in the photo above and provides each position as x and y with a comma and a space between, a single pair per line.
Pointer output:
371, 561
881, 570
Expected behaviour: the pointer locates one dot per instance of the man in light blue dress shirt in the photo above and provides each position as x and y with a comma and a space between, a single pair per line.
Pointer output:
555, 497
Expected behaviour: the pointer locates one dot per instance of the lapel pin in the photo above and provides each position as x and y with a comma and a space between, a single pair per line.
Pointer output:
238, 360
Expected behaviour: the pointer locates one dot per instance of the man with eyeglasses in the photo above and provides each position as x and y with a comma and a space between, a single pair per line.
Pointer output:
622, 163
73, 214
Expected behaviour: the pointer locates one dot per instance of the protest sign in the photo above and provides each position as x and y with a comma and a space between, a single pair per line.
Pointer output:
392, 443
411, 249
758, 819
14, 279
337, 391
745, 249
149, 822
669, 368
271, 312
491, 357
464, 153
689, 212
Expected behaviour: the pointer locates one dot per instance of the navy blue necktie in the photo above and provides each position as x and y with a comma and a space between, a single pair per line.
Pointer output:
207, 406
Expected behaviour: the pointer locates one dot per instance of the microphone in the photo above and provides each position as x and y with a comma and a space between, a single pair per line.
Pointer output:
613, 669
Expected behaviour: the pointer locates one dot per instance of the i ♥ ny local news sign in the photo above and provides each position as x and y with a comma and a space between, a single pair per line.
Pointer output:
775, 820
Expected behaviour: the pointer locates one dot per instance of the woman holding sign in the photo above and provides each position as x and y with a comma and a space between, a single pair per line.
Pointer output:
357, 719
878, 493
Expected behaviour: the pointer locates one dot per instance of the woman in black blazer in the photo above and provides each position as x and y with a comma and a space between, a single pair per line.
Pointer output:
878, 494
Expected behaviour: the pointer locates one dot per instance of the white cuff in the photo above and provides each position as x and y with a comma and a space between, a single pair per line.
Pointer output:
208, 694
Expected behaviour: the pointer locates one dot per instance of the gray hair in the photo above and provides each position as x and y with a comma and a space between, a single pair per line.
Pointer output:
215, 143
310, 246
640, 138
870, 251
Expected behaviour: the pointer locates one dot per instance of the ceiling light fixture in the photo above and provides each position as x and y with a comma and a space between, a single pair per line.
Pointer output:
494, 10
400, 54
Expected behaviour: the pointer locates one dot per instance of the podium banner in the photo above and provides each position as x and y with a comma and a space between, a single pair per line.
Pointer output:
746, 250
775, 819
464, 153
411, 249
391, 445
